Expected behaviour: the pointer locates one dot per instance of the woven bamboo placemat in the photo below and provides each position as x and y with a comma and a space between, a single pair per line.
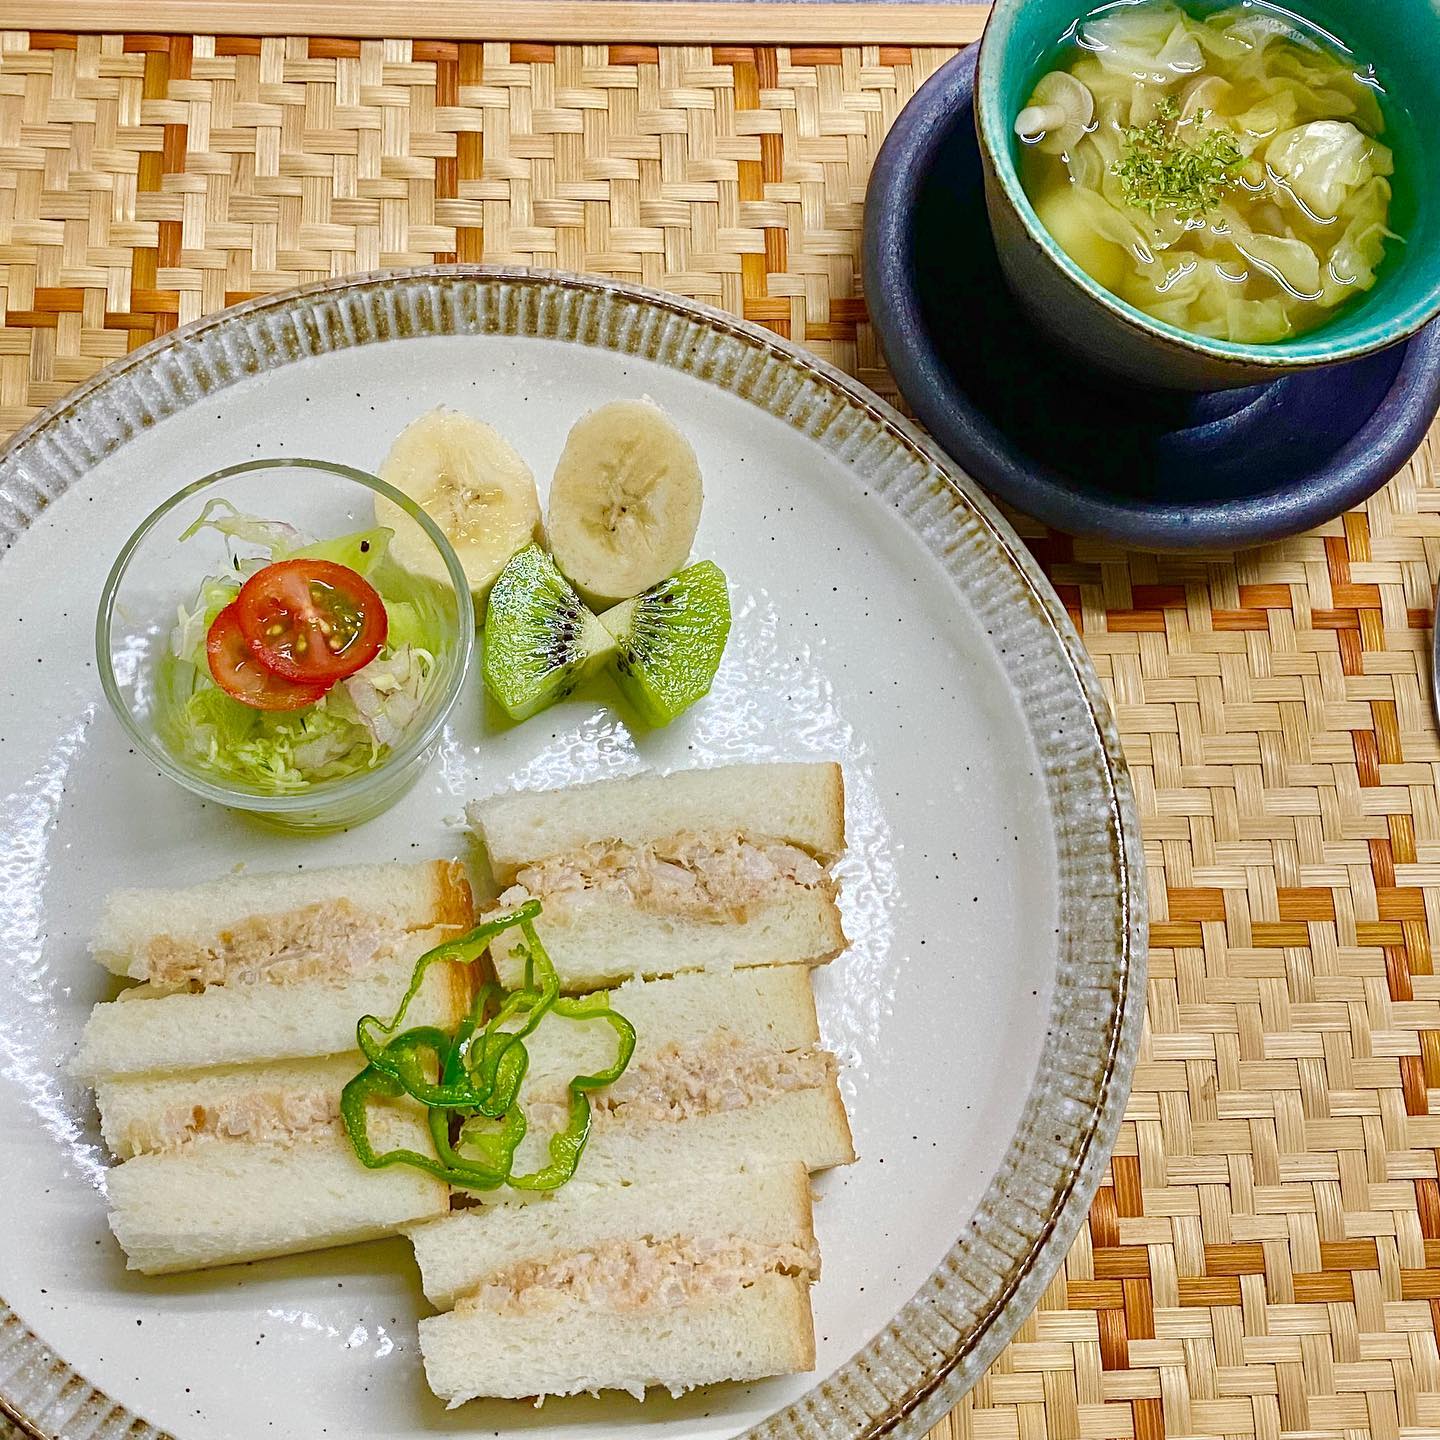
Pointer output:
1264, 1259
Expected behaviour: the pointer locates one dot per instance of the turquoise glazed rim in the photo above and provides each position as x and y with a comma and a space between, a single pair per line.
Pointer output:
1406, 294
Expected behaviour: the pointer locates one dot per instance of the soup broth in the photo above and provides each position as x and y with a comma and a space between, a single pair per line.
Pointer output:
1223, 173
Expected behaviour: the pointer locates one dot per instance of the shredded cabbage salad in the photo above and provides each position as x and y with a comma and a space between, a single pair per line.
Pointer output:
355, 725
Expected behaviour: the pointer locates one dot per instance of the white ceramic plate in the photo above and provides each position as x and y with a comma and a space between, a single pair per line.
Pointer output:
986, 1013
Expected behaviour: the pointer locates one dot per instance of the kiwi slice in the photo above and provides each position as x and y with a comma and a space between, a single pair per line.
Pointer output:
670, 641
540, 640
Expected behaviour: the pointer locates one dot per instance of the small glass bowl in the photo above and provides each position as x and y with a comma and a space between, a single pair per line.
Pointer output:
156, 573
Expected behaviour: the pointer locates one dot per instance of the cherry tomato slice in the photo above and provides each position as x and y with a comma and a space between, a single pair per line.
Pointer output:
240, 674
311, 621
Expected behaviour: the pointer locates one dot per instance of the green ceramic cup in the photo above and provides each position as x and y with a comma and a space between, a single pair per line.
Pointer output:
1400, 37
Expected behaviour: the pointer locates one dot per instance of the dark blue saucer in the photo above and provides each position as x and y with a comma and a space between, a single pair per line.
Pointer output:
1088, 455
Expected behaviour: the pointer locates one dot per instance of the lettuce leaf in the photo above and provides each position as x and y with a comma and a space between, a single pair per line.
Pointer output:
361, 550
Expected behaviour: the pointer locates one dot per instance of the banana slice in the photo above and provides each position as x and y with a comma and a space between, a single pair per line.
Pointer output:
625, 501
470, 481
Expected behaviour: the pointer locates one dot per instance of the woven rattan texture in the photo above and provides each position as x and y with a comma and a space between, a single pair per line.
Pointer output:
1265, 1258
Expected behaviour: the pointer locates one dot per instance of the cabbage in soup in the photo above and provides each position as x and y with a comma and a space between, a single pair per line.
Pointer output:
1223, 174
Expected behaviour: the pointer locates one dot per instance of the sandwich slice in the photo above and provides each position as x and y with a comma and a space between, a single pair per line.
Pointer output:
148, 1029
272, 967
672, 1284
727, 1075
657, 874
276, 927
256, 1169
282, 1103
462, 1253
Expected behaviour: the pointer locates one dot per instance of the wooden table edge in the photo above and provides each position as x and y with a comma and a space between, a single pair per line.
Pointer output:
656, 22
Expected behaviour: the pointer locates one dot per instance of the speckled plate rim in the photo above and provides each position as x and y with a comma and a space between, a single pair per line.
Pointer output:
940, 1342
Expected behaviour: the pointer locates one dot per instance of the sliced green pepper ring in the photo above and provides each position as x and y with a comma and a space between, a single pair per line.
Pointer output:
478, 1071
354, 1111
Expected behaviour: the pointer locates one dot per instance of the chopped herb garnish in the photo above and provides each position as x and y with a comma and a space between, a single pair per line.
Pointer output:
1161, 169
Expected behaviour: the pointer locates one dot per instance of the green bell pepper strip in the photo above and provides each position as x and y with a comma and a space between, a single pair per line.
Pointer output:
465, 949
495, 1141
497, 1147
568, 1145
479, 1070
597, 1007
498, 1044
395, 1056
488, 1173
566, 1148
452, 1169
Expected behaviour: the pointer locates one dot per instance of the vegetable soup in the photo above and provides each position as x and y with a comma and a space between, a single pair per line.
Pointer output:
1222, 172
